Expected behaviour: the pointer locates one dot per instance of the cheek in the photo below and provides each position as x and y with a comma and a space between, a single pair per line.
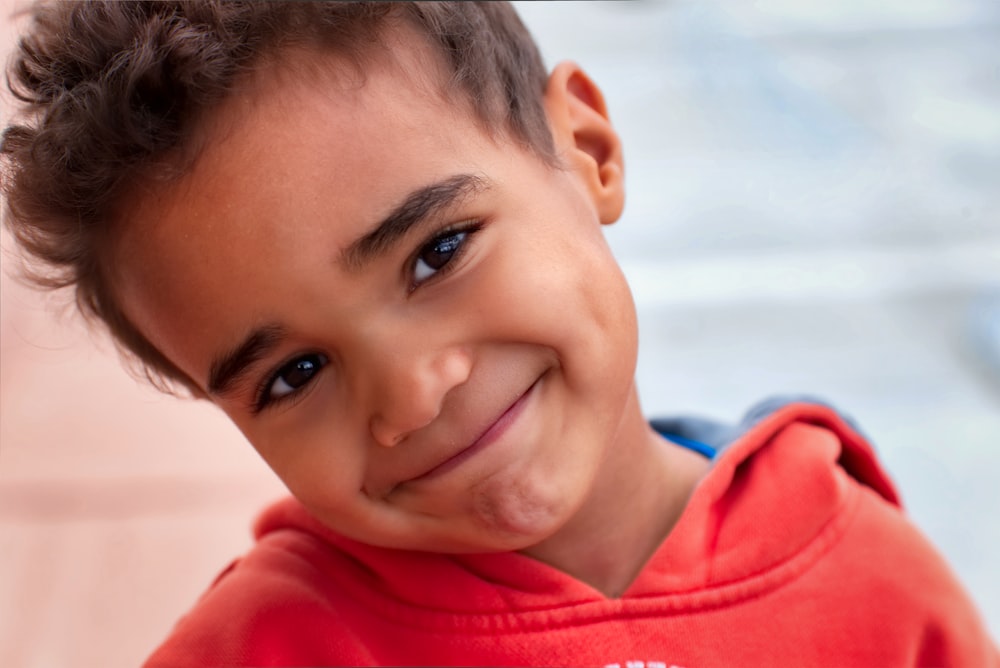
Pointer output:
314, 454
567, 294
611, 346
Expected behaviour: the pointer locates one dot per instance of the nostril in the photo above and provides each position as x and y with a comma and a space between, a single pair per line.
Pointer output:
391, 429
412, 391
385, 434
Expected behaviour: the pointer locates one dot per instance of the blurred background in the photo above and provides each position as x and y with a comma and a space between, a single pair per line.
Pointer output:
813, 197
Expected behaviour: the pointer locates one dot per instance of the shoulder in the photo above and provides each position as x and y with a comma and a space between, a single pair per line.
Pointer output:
794, 429
273, 606
798, 483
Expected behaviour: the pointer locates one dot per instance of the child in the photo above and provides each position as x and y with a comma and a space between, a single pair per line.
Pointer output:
371, 234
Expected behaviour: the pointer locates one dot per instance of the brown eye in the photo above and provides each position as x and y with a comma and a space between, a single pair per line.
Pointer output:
294, 375
435, 255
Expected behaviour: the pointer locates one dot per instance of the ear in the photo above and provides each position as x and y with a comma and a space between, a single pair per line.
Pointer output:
585, 139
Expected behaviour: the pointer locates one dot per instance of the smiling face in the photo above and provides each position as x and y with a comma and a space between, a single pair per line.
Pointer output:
419, 327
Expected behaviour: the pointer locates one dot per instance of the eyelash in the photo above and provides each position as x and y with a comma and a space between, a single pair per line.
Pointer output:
262, 395
467, 229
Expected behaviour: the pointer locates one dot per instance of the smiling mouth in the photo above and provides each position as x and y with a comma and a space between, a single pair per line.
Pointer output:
490, 435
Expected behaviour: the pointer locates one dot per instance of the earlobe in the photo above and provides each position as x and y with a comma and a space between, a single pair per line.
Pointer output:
585, 138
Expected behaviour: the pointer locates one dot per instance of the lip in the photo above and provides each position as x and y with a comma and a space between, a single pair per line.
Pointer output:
490, 435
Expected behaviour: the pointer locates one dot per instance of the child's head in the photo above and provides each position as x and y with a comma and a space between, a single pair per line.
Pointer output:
369, 233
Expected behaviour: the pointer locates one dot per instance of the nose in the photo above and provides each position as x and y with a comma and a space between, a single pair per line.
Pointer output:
410, 390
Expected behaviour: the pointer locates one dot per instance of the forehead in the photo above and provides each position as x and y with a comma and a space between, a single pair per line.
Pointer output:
302, 95
310, 147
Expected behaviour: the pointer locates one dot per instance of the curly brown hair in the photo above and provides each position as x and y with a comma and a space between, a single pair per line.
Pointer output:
112, 90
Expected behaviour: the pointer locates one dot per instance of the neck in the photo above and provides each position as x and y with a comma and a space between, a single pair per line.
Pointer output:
640, 493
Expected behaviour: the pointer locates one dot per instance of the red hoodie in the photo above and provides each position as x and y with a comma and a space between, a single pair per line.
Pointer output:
792, 551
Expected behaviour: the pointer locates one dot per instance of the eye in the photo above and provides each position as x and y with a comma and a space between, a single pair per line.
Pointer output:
435, 255
291, 377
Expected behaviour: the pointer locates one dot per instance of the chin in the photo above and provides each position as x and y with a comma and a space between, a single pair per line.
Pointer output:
520, 514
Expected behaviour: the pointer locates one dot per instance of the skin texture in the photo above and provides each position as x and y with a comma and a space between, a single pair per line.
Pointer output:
486, 406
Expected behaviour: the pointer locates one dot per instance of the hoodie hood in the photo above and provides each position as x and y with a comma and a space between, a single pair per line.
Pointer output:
774, 490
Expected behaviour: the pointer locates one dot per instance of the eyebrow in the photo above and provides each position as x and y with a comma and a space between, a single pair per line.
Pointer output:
420, 205
228, 368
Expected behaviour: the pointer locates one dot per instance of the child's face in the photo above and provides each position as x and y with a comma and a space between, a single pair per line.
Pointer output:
421, 330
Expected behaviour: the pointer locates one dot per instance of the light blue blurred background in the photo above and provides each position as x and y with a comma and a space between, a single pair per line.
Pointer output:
813, 197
